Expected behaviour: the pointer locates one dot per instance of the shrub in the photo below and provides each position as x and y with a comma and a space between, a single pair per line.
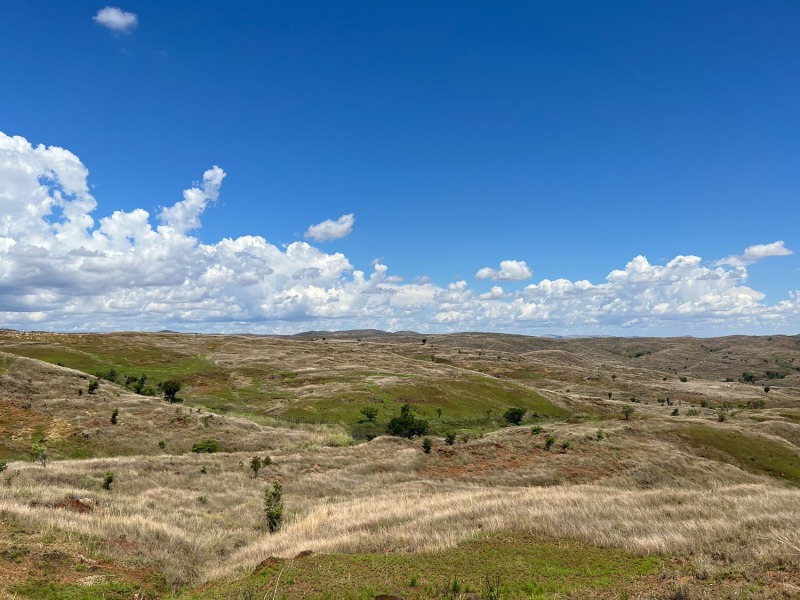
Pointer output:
427, 444
756, 404
170, 388
93, 385
266, 461
536, 430
450, 438
766, 389
114, 415
514, 415
108, 480
273, 506
162, 444
683, 378
748, 377
207, 446
601, 434
548, 443
610, 394
3, 465
370, 414
406, 425
704, 403
255, 465
39, 453
675, 412
692, 412
627, 411
565, 445
721, 416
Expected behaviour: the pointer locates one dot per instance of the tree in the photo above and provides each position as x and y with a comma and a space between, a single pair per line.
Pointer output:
40, 454
370, 414
450, 438
114, 415
406, 425
427, 444
273, 506
255, 465
514, 415
170, 387
627, 411
548, 443
108, 480
93, 385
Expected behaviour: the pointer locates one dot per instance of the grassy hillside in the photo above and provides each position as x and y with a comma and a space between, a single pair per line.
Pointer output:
693, 495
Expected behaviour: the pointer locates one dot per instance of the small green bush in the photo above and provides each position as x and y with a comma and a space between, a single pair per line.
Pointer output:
207, 446
536, 430
565, 445
514, 415
162, 444
427, 445
450, 438
548, 443
273, 506
93, 385
108, 480
601, 434
683, 378
170, 388
627, 411
406, 425
721, 416
255, 465
114, 415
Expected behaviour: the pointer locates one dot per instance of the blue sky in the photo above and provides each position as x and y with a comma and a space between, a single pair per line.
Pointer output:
571, 137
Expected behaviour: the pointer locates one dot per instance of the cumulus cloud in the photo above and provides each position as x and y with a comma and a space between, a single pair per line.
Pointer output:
116, 19
63, 267
757, 252
331, 230
510, 270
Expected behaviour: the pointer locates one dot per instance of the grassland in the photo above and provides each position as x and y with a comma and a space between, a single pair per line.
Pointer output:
670, 503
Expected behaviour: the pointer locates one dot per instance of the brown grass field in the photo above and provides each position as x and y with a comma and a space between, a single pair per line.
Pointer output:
695, 495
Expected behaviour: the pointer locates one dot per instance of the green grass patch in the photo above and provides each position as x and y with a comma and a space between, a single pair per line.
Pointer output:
751, 452
521, 566
464, 403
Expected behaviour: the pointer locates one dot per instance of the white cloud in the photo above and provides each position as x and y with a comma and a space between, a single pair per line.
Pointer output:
756, 253
63, 268
510, 270
116, 19
331, 230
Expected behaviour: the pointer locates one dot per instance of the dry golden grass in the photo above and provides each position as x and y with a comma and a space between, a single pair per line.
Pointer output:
197, 527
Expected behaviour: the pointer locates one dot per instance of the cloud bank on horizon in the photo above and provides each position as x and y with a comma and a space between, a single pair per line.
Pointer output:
61, 268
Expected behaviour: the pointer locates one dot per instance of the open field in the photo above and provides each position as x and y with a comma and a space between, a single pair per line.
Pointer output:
695, 495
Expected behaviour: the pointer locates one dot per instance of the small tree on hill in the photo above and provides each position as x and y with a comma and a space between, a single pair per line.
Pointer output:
170, 387
255, 465
39, 453
273, 506
114, 415
627, 411
406, 425
93, 385
514, 415
370, 414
